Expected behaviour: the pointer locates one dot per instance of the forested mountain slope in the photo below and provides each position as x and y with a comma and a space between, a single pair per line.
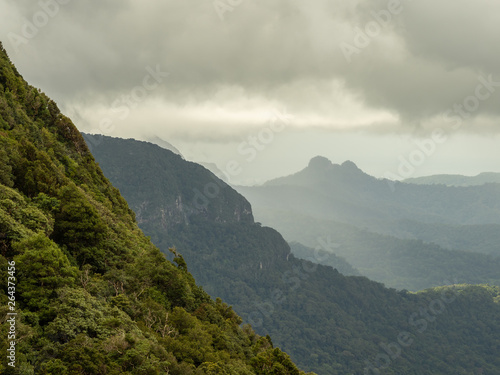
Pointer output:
398, 263
92, 294
327, 322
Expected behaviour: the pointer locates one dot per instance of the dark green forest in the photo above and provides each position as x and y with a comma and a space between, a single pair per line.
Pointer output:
93, 295
328, 323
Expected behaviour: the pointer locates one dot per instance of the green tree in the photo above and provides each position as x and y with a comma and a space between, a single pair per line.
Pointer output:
5, 168
42, 269
79, 226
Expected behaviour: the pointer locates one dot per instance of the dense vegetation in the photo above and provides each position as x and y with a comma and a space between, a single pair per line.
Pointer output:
93, 295
327, 322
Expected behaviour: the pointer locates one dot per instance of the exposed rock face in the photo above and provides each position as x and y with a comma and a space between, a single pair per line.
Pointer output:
191, 191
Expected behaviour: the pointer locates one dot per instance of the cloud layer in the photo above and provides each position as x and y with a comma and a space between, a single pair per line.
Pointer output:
230, 66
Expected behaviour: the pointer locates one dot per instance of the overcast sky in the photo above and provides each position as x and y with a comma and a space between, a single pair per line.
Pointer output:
402, 88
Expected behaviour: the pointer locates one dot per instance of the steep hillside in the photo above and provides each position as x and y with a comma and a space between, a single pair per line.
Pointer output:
327, 322
398, 263
91, 294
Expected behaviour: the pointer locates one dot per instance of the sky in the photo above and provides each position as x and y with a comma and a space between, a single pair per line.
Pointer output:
258, 87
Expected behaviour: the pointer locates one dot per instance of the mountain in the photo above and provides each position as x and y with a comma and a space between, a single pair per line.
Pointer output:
398, 263
345, 193
456, 180
322, 256
387, 230
164, 144
212, 167
85, 291
328, 322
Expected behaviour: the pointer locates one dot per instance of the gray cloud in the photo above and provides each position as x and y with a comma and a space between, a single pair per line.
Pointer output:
264, 55
447, 45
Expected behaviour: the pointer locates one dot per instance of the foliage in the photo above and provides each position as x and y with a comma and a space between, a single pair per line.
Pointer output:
325, 321
94, 296
42, 269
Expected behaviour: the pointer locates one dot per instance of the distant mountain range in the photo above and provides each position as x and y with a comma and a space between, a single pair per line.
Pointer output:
328, 322
345, 193
164, 144
387, 230
456, 180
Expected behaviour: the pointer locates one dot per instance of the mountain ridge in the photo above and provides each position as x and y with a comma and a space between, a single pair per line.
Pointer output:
327, 322
324, 197
425, 201
92, 294
320, 167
